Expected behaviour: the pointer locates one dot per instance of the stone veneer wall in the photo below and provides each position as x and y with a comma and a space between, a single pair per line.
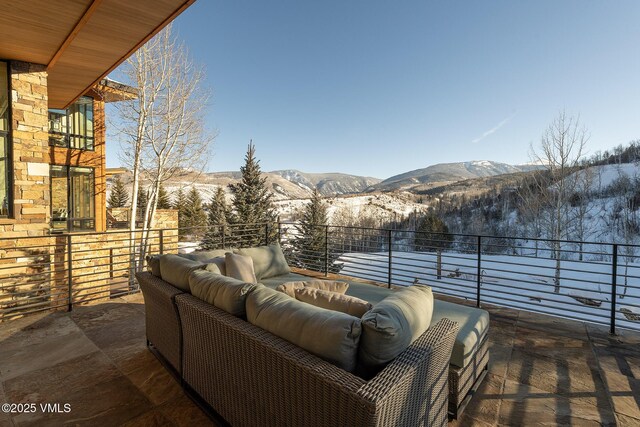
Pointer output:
25, 253
30, 141
34, 272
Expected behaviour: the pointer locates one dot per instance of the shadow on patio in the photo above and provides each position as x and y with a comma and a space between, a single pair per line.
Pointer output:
543, 370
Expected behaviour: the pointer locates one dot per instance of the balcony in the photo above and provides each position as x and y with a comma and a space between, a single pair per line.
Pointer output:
73, 332
95, 359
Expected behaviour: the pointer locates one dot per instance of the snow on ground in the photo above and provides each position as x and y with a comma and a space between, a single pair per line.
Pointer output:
603, 176
521, 282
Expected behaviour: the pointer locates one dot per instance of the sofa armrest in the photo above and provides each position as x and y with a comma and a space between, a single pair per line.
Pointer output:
413, 388
161, 316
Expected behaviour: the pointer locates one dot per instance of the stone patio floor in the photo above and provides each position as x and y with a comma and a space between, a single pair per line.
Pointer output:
543, 371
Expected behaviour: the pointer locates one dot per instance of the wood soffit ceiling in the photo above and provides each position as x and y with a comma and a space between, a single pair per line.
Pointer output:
80, 41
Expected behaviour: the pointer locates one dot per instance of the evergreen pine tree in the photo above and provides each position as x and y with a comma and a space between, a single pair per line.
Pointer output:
195, 217
180, 204
217, 225
143, 200
308, 247
119, 197
163, 198
253, 207
432, 234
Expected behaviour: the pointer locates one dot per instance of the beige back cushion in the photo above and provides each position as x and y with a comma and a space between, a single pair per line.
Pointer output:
240, 267
330, 335
205, 256
392, 325
268, 261
223, 292
175, 269
289, 288
333, 301
153, 265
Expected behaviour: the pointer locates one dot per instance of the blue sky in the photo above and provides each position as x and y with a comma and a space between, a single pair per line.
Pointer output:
380, 87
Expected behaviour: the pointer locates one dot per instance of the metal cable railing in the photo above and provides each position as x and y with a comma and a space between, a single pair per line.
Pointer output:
61, 271
586, 281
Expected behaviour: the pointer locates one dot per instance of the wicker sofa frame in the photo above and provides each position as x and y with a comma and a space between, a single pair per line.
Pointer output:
251, 377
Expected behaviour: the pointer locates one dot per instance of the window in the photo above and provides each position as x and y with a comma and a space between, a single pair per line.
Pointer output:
72, 198
5, 149
73, 127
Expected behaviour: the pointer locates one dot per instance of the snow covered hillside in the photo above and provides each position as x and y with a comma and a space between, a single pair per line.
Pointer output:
384, 207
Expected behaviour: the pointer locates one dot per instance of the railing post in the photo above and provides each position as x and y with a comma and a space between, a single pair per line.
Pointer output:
390, 258
439, 265
111, 263
326, 250
479, 271
161, 249
70, 272
614, 281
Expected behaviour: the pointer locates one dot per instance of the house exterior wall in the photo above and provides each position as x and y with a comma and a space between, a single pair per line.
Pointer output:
32, 155
30, 142
34, 271
95, 159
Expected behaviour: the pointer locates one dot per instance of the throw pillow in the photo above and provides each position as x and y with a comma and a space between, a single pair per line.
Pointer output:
333, 301
326, 285
330, 335
392, 325
268, 261
240, 267
223, 292
219, 263
175, 269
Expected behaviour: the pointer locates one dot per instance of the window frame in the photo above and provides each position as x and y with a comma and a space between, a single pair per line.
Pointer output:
69, 219
67, 136
8, 134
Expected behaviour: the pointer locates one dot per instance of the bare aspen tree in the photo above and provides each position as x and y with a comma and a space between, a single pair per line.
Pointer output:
177, 139
530, 209
162, 130
582, 208
561, 149
130, 123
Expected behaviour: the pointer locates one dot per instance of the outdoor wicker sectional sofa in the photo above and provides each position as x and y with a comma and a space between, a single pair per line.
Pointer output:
250, 376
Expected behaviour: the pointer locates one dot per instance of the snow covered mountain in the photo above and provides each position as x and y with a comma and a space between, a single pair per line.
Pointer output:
285, 184
446, 173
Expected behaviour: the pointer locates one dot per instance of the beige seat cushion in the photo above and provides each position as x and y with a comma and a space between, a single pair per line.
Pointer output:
326, 285
175, 269
474, 325
240, 267
330, 335
333, 301
268, 261
392, 325
223, 292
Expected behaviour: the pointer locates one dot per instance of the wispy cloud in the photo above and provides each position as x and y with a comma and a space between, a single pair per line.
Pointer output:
493, 129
